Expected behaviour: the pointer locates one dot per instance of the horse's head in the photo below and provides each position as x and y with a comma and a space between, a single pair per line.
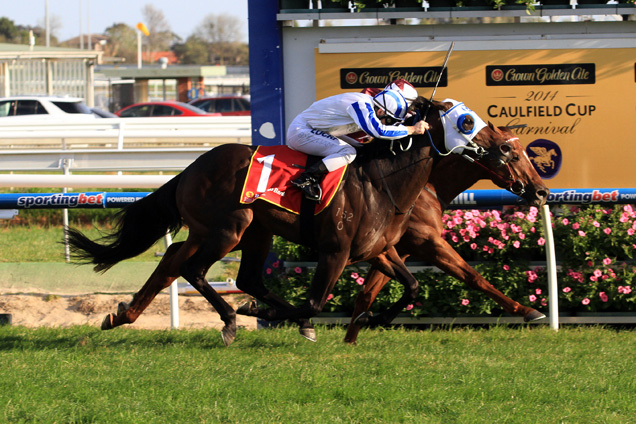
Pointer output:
496, 150
509, 166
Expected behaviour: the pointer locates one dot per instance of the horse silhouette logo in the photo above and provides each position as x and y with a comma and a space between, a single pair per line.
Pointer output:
546, 157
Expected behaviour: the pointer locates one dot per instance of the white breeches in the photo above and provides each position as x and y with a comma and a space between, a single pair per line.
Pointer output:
335, 151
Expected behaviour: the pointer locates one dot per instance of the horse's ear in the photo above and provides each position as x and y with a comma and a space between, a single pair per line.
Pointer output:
442, 105
495, 129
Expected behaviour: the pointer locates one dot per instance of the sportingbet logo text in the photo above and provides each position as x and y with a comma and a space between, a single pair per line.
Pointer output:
574, 196
61, 200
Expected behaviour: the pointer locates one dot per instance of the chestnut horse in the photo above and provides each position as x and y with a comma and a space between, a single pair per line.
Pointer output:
423, 238
365, 219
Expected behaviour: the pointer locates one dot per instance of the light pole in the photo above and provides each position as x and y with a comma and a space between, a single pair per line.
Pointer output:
140, 28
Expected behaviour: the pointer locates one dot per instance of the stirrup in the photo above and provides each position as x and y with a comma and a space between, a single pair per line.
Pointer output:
312, 191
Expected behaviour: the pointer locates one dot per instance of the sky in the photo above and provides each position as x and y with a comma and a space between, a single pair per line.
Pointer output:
97, 15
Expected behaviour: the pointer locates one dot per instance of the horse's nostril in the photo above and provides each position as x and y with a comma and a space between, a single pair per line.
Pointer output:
543, 194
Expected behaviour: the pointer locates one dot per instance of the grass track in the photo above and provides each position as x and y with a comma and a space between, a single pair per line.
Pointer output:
501, 375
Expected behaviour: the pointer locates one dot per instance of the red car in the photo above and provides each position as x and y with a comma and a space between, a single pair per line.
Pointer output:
225, 105
165, 108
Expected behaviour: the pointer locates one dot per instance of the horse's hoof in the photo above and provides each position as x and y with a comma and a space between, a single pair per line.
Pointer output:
228, 333
107, 323
308, 333
534, 315
122, 308
249, 309
363, 319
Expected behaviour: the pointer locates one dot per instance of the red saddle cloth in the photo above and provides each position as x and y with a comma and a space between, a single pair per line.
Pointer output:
269, 175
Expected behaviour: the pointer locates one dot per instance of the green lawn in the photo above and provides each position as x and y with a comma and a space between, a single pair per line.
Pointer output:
502, 375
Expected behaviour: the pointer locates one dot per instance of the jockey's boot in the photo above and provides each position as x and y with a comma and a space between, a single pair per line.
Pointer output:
309, 181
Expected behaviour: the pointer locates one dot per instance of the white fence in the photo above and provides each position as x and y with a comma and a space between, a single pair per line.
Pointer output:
123, 133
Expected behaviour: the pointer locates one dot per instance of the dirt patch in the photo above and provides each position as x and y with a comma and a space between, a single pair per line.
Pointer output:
49, 310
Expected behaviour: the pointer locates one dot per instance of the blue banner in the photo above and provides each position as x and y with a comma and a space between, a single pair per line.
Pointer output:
579, 196
467, 199
92, 200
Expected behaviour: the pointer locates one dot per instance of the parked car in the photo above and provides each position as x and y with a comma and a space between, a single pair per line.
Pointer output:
163, 108
49, 107
225, 105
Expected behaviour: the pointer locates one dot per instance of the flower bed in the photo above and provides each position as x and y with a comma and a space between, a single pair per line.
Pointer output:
594, 248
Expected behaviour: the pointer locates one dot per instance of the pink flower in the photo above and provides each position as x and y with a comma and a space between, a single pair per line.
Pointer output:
544, 302
603, 296
330, 297
298, 270
625, 289
565, 221
506, 268
581, 233
409, 307
590, 264
598, 273
268, 271
516, 244
575, 226
360, 280
522, 236
593, 278
585, 301
538, 291
532, 276
607, 261
566, 290
354, 275
473, 246
465, 302
607, 231
532, 298
630, 232
275, 264
541, 241
596, 224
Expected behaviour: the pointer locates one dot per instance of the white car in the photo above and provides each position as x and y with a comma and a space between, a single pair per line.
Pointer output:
47, 107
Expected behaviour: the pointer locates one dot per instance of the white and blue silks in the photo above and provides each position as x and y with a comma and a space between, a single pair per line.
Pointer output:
455, 136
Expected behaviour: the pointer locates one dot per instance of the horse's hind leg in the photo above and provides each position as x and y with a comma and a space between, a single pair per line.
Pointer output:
165, 273
194, 271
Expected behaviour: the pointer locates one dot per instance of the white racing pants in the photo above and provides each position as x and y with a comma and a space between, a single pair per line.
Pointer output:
336, 152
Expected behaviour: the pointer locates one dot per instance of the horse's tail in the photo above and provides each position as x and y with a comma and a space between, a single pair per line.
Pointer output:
139, 225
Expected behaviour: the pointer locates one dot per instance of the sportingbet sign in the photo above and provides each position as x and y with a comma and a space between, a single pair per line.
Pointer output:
578, 104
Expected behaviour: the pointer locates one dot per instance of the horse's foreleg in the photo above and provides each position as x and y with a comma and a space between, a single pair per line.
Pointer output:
441, 254
250, 281
328, 269
162, 277
393, 266
373, 283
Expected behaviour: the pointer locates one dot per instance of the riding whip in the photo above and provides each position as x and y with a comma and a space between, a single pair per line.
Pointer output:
450, 50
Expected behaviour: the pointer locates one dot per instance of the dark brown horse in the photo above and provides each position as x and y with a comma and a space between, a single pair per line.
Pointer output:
423, 238
366, 218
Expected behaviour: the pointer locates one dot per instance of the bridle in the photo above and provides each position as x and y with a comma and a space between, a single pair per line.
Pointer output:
512, 183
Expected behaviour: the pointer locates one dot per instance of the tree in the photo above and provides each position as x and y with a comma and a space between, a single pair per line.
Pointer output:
223, 35
122, 42
161, 36
193, 52
8, 30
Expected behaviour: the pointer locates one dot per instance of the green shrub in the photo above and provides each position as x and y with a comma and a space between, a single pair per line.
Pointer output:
594, 247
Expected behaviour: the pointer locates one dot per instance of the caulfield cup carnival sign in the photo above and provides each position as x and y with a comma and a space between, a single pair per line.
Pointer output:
577, 104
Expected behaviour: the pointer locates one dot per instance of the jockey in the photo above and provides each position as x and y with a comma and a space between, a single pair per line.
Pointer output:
322, 130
